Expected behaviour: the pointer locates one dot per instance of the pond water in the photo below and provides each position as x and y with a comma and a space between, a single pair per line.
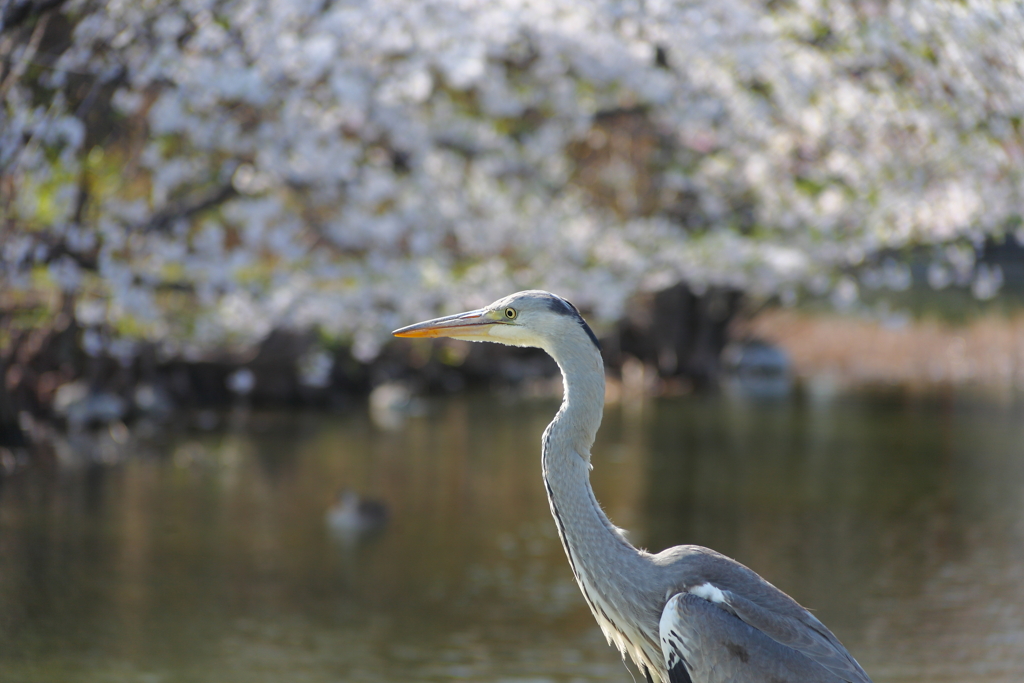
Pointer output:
205, 555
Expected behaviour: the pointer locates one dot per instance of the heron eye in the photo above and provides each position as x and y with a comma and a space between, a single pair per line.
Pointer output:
510, 313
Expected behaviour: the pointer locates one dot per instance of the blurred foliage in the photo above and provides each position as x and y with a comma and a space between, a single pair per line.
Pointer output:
198, 173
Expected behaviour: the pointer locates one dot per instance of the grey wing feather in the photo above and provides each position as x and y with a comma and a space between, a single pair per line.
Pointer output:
805, 634
762, 606
705, 643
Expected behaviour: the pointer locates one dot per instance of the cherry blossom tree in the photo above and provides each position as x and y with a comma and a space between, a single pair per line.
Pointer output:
200, 172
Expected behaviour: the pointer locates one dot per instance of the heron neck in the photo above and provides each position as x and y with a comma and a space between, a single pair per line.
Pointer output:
590, 539
579, 417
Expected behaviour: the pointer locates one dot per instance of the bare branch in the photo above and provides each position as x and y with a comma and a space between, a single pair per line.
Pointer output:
26, 59
15, 13
164, 219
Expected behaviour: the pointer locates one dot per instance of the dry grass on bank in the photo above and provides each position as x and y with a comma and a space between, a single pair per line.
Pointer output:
921, 354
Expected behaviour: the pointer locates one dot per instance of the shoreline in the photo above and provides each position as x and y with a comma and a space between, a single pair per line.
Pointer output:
919, 355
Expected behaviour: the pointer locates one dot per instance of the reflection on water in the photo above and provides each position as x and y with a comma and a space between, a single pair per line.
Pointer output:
208, 556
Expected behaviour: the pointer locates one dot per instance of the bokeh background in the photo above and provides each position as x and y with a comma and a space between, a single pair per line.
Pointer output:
800, 220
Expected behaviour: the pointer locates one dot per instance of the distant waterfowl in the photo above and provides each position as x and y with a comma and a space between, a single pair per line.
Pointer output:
353, 517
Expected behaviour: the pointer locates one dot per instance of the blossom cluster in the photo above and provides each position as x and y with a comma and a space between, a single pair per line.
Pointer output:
357, 164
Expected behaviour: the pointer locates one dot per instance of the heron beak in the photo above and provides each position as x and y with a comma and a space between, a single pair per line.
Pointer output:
470, 325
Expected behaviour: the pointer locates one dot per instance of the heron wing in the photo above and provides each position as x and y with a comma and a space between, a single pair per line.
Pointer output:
800, 631
703, 642
737, 591
675, 645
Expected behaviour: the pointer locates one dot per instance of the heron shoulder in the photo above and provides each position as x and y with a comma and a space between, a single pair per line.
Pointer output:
707, 573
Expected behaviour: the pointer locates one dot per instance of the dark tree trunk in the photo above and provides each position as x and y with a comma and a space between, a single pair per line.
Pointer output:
677, 331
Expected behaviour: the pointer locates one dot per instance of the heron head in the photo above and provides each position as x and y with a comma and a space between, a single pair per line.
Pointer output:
530, 318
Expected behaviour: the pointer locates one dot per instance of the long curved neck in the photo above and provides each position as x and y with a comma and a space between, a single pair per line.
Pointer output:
579, 418
611, 573
590, 539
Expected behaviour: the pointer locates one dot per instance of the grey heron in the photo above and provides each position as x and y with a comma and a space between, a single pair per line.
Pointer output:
686, 614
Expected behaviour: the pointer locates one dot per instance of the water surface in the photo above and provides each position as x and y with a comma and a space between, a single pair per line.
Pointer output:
204, 556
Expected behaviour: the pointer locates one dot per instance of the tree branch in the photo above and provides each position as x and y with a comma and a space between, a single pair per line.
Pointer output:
165, 218
16, 13
30, 52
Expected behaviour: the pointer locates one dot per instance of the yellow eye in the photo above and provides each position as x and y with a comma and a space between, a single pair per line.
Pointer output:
510, 313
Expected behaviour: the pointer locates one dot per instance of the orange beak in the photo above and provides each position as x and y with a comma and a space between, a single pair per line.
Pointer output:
469, 325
